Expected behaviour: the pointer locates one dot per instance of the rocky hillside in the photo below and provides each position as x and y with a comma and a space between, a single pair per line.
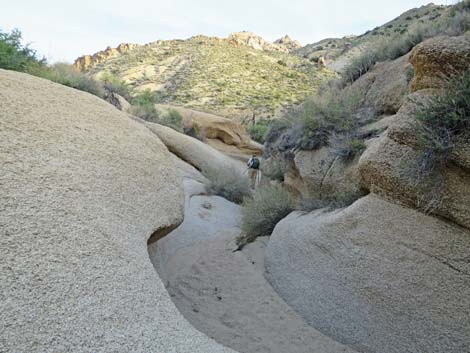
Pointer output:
241, 76
339, 51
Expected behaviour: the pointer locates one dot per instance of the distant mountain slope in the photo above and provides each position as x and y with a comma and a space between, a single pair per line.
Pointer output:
238, 77
339, 51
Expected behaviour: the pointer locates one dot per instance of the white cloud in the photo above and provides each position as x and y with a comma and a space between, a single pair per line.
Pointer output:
64, 30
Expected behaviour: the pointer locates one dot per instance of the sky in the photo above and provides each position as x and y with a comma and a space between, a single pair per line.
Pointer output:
63, 30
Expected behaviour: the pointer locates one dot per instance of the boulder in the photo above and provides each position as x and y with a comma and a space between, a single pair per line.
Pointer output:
254, 41
83, 189
196, 153
386, 85
221, 133
322, 171
289, 43
376, 276
439, 57
389, 167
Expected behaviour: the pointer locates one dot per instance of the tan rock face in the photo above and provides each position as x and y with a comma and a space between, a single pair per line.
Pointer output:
322, 172
226, 135
86, 61
254, 41
381, 277
196, 153
386, 85
439, 57
386, 168
83, 188
288, 43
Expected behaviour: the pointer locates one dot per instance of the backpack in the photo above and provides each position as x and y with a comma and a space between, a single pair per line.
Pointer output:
254, 163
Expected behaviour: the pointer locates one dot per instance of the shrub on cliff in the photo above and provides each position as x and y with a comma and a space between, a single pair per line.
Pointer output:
456, 22
441, 122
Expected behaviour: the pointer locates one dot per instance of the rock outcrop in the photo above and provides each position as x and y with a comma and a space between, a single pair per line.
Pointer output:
83, 189
289, 43
386, 85
224, 134
86, 61
254, 41
376, 276
196, 153
437, 58
387, 166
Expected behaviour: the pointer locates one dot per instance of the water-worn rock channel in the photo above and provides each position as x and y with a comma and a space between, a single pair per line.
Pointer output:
224, 294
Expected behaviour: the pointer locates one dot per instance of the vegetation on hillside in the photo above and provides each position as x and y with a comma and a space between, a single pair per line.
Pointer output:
455, 21
14, 55
213, 75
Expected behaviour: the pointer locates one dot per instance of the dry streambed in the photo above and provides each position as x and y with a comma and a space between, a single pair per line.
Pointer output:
224, 294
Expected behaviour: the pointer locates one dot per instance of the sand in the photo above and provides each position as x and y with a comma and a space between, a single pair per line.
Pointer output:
224, 294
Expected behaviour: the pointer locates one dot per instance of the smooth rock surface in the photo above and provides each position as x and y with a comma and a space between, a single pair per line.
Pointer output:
224, 293
83, 187
376, 276
196, 153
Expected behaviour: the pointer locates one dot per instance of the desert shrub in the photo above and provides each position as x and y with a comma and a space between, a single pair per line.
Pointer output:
227, 183
146, 97
410, 73
259, 130
441, 121
443, 118
330, 201
172, 119
115, 85
67, 75
263, 211
275, 168
143, 106
331, 110
14, 55
347, 145
147, 112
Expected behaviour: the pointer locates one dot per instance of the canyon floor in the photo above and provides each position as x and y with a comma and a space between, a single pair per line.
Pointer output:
223, 293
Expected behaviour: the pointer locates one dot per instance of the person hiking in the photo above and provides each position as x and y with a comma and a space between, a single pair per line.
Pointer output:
253, 170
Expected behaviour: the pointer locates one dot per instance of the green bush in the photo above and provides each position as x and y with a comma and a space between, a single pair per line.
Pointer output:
67, 75
172, 119
227, 183
263, 211
259, 130
443, 118
441, 121
143, 106
331, 110
16, 56
115, 85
